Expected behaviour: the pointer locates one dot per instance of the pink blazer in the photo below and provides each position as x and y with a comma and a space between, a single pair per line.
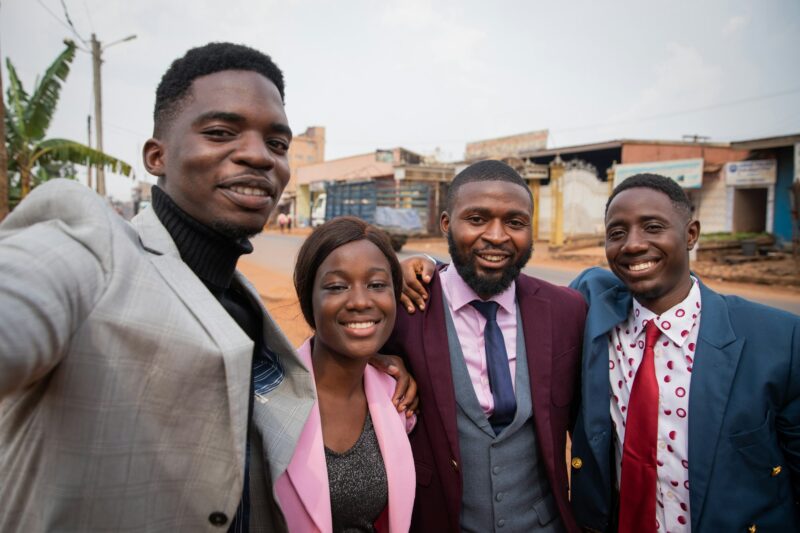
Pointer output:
303, 492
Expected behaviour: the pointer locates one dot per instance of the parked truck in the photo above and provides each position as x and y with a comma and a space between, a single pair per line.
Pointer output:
402, 210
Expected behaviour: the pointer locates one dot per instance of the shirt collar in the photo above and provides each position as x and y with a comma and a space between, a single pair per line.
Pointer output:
676, 323
460, 294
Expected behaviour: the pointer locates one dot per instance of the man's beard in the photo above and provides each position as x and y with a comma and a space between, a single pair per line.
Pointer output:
483, 286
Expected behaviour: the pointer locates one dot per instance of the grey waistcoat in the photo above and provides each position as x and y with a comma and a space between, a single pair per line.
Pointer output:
505, 484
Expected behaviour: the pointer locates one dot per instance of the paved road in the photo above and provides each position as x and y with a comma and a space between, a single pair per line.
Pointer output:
278, 252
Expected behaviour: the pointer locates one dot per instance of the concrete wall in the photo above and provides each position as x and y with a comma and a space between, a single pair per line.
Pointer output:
545, 212
584, 202
306, 149
711, 204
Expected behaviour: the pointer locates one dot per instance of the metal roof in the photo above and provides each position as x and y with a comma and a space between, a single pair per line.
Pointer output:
767, 142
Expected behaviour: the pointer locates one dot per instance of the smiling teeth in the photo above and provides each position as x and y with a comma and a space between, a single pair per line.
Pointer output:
360, 325
641, 266
250, 191
493, 258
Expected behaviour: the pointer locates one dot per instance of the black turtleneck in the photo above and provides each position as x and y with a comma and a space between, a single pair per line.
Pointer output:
212, 257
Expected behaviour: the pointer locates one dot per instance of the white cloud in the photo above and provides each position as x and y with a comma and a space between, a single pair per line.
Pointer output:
685, 80
734, 24
446, 40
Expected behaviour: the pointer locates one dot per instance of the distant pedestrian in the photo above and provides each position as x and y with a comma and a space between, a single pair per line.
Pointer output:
283, 221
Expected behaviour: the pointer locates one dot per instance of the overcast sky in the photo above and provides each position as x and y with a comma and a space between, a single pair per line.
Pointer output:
437, 74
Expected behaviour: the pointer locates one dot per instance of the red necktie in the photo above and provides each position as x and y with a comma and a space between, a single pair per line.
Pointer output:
637, 489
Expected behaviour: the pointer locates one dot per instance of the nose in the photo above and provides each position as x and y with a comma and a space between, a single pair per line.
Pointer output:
635, 242
359, 298
495, 232
253, 152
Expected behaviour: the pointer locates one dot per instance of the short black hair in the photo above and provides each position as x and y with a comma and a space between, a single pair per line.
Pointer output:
323, 241
202, 61
488, 170
658, 183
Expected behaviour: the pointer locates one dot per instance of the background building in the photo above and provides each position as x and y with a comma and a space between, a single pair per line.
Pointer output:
306, 149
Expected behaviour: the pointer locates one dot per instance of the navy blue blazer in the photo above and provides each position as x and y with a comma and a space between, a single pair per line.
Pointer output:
744, 413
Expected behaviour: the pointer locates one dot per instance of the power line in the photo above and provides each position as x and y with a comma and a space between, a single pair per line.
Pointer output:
88, 15
591, 126
69, 21
682, 112
53, 15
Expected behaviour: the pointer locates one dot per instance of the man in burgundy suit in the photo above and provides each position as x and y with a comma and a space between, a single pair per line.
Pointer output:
495, 354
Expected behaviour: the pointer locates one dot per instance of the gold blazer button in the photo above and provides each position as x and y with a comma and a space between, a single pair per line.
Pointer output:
752, 528
577, 463
776, 470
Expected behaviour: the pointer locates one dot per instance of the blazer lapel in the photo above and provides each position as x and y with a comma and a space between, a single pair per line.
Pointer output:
394, 446
235, 346
716, 358
437, 360
537, 328
308, 471
607, 310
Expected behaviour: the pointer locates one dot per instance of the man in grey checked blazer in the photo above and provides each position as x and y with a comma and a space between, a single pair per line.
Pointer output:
126, 350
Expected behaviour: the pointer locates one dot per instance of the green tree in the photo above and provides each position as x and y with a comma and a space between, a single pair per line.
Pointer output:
32, 159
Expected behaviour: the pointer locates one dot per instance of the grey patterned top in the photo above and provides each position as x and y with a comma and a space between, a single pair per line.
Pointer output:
357, 479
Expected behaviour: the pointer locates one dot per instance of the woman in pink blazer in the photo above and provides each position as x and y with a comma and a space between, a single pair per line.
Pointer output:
352, 468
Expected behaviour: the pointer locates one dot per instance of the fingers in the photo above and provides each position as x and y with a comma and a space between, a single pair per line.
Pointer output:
428, 268
413, 296
411, 400
416, 271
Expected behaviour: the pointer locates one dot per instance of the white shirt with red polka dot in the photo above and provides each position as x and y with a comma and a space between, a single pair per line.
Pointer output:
674, 356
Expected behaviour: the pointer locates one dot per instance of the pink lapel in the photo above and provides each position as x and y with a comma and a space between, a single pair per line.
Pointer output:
390, 429
304, 493
308, 471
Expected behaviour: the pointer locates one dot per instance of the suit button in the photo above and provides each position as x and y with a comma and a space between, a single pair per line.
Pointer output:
501, 523
776, 470
454, 464
218, 519
495, 470
499, 496
577, 463
752, 528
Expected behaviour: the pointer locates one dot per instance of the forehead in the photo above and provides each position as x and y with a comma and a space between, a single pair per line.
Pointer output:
493, 195
243, 92
353, 257
640, 203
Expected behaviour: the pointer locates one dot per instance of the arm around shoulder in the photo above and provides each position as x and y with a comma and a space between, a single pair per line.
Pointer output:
54, 257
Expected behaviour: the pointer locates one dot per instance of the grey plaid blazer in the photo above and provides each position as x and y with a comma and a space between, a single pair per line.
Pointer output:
123, 382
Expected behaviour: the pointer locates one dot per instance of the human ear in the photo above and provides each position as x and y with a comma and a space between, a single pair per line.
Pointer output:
444, 222
153, 157
692, 233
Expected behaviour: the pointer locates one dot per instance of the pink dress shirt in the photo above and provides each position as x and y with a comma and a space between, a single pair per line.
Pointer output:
674, 356
469, 324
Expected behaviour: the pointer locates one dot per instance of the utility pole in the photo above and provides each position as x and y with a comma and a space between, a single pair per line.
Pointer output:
3, 152
97, 61
89, 144
98, 111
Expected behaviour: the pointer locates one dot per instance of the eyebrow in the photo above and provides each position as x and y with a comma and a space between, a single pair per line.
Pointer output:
227, 116
484, 211
344, 273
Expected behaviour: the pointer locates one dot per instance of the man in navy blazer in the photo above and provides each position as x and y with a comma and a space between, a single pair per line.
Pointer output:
488, 227
743, 449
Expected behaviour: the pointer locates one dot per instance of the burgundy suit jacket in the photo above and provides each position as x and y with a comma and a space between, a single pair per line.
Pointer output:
552, 320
